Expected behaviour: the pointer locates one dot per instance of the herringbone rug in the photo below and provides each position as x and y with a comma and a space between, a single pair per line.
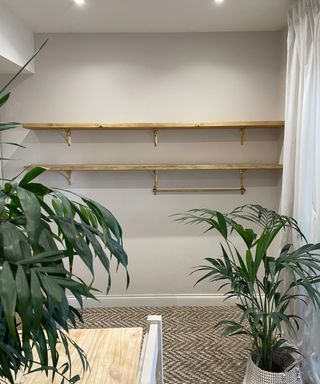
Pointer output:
194, 353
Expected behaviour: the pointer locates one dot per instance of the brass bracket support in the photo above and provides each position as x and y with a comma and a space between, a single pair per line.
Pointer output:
67, 175
155, 182
242, 187
68, 137
155, 136
242, 132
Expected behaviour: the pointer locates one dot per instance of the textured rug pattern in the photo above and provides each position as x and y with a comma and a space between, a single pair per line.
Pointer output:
194, 352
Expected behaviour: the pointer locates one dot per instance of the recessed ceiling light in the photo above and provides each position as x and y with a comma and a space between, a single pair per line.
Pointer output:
79, 2
218, 1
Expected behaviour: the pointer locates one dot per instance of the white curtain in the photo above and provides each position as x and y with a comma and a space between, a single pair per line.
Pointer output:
301, 177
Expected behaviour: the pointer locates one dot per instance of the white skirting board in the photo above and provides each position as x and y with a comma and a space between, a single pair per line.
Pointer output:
192, 300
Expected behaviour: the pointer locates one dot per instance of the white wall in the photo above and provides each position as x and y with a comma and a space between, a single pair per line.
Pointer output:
156, 77
16, 42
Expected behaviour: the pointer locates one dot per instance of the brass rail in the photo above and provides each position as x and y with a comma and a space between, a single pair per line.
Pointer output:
197, 190
156, 190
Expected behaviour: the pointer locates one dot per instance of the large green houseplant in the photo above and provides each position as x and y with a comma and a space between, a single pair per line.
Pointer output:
43, 233
253, 275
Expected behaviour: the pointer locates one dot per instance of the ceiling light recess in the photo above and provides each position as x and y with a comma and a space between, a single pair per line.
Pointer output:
79, 2
218, 1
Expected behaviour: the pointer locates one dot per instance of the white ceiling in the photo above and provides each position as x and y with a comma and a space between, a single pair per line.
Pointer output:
151, 15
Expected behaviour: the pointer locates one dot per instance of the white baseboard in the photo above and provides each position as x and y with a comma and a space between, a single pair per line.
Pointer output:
204, 300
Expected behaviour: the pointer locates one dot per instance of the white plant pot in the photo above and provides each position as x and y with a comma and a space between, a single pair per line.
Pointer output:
255, 375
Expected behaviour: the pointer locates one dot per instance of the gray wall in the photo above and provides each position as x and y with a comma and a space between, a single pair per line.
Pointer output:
156, 77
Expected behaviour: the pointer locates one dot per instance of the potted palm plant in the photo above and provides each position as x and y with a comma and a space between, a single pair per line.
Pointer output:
254, 276
43, 233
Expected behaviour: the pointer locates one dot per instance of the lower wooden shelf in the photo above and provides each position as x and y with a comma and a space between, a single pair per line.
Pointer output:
154, 167
67, 169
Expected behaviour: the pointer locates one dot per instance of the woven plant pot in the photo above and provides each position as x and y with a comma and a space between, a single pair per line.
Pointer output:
255, 375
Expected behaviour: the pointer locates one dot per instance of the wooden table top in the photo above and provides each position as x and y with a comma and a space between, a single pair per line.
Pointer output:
113, 355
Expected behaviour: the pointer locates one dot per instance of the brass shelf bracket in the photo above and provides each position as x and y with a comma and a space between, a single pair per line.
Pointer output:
68, 137
67, 175
155, 182
242, 132
155, 136
242, 187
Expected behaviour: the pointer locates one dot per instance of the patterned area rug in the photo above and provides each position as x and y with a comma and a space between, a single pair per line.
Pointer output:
194, 353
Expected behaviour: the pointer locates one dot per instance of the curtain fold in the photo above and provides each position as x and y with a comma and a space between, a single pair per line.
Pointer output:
301, 174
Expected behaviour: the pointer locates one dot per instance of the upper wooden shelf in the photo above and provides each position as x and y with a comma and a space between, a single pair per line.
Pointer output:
68, 127
138, 126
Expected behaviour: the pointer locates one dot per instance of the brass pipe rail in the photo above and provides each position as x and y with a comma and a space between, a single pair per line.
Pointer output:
156, 190
197, 190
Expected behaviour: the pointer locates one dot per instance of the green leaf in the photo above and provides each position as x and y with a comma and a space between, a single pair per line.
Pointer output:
8, 294
41, 346
107, 220
43, 257
5, 368
75, 379
222, 225
36, 298
23, 290
52, 341
4, 99
7, 126
232, 329
244, 270
117, 250
74, 237
250, 266
14, 244
96, 246
66, 205
32, 211
10, 143
51, 288
57, 206
272, 268
47, 239
31, 175
261, 248
247, 235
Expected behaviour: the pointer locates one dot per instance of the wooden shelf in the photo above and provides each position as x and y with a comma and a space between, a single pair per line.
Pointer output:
69, 127
154, 167
143, 126
67, 169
